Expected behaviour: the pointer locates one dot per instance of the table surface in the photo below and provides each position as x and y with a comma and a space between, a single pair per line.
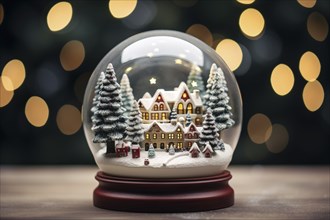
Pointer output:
261, 192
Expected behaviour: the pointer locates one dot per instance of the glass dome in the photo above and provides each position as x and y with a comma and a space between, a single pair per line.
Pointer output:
162, 59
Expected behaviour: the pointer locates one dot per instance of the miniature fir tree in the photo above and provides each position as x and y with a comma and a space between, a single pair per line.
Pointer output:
171, 151
174, 114
109, 122
151, 151
134, 128
213, 71
209, 132
188, 120
127, 97
195, 81
96, 91
219, 103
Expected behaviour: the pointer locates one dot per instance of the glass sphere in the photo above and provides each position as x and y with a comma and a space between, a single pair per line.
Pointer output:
156, 60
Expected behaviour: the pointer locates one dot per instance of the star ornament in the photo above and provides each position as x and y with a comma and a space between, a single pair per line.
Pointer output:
194, 84
152, 81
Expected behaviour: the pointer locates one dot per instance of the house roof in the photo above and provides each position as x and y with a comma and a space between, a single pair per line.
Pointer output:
208, 147
194, 147
166, 127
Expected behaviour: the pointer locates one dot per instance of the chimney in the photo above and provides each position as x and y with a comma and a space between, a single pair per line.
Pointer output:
197, 93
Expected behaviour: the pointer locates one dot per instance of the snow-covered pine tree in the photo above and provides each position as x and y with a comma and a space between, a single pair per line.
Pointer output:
210, 80
171, 151
188, 120
134, 129
219, 103
96, 91
151, 151
127, 97
173, 114
209, 132
111, 122
195, 81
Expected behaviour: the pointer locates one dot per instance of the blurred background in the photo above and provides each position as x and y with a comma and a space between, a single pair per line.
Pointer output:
278, 51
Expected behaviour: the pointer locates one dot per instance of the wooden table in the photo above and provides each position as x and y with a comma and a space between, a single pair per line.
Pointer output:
261, 193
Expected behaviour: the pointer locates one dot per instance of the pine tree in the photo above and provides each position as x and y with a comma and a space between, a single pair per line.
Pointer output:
219, 103
171, 151
174, 114
109, 122
134, 129
195, 81
209, 132
213, 71
188, 120
151, 151
96, 92
127, 97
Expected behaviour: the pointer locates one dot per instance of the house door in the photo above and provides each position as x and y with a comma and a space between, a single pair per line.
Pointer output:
162, 146
146, 146
155, 145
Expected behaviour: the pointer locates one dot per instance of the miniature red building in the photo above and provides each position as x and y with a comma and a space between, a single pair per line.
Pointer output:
208, 151
135, 151
121, 150
194, 150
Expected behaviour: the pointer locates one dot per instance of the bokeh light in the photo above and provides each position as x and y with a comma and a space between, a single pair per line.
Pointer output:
230, 52
36, 111
15, 71
122, 9
259, 128
252, 23
59, 16
307, 3
201, 32
282, 79
68, 119
5, 95
317, 26
72, 55
309, 66
279, 139
2, 13
313, 95
245, 2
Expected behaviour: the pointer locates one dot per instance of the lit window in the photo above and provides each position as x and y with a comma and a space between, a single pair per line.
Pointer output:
155, 107
159, 98
163, 116
147, 116
178, 129
184, 95
154, 116
189, 108
163, 136
180, 108
179, 145
161, 107
154, 136
170, 136
179, 136
147, 136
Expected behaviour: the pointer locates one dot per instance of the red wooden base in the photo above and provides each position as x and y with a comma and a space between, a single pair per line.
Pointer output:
163, 195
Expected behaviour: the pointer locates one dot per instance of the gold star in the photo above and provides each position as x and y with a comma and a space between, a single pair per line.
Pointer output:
194, 84
152, 80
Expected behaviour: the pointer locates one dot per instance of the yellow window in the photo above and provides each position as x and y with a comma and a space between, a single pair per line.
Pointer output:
180, 108
163, 116
179, 136
189, 108
163, 136
170, 136
147, 136
154, 136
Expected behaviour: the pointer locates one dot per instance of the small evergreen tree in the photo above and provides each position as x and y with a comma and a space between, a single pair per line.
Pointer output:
195, 81
97, 91
210, 80
188, 120
174, 114
127, 97
209, 132
171, 151
109, 121
151, 151
134, 129
219, 103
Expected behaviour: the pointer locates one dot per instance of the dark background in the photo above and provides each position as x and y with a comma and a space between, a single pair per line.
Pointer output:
24, 35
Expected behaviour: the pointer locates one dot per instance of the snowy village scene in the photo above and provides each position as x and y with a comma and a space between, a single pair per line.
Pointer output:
179, 128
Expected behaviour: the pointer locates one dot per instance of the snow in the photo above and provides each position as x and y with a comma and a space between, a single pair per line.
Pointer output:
163, 165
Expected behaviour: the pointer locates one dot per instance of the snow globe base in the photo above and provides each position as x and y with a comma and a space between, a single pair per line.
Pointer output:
163, 195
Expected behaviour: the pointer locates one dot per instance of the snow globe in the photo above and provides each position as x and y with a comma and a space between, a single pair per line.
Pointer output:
162, 116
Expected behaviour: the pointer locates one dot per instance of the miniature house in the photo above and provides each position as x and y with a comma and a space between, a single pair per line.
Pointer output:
159, 107
135, 151
194, 150
121, 150
207, 151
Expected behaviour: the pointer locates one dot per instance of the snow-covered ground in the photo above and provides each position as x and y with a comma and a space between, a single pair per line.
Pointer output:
164, 165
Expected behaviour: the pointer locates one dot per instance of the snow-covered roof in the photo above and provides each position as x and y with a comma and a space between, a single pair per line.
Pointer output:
187, 129
146, 102
135, 146
166, 127
208, 146
194, 147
